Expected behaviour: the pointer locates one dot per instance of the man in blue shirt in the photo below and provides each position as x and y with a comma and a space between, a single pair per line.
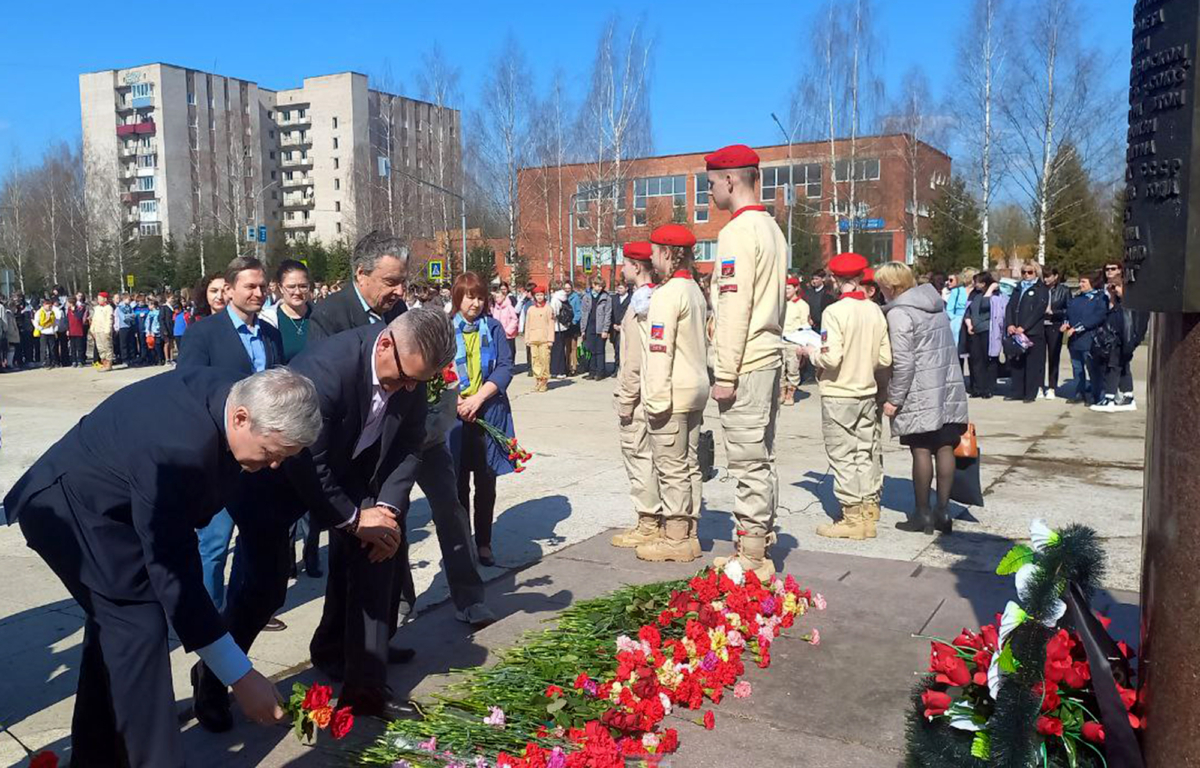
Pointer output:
575, 299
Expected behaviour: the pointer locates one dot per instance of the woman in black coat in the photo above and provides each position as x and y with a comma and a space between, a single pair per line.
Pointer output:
1026, 314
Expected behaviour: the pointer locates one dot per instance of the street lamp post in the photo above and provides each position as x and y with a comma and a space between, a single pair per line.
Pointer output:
791, 188
462, 206
571, 229
260, 216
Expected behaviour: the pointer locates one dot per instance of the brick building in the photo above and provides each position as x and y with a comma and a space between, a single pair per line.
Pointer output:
658, 190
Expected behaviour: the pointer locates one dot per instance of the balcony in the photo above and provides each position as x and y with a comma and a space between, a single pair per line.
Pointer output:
128, 172
295, 162
144, 128
298, 224
298, 181
294, 120
127, 151
294, 140
299, 201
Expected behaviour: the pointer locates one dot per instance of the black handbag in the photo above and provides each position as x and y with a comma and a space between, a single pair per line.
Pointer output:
967, 488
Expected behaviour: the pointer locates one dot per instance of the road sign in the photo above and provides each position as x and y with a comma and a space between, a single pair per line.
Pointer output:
587, 263
250, 233
435, 269
262, 233
129, 280
860, 224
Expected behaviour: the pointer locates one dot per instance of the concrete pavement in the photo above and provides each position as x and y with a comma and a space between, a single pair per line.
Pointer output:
1047, 459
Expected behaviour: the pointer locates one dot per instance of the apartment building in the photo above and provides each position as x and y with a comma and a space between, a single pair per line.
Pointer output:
885, 172
171, 151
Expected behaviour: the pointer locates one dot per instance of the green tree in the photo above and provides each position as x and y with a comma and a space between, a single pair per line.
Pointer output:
806, 245
481, 260
1076, 231
338, 263
954, 226
520, 271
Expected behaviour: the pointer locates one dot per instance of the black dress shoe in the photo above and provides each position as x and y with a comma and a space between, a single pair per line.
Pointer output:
400, 655
210, 700
313, 572
486, 558
921, 522
275, 625
378, 703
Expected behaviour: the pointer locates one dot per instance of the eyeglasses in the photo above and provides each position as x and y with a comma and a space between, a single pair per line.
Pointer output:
1028, 271
1112, 269
404, 377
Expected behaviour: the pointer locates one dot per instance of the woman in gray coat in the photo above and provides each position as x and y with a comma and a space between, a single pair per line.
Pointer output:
926, 398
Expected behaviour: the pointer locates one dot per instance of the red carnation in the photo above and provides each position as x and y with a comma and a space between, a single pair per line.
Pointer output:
669, 742
553, 691
710, 720
991, 638
936, 703
343, 721
45, 759
1093, 732
1077, 675
581, 680
449, 375
317, 697
650, 636
1049, 726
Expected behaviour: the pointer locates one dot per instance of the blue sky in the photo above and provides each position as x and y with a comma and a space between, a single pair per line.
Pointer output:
705, 93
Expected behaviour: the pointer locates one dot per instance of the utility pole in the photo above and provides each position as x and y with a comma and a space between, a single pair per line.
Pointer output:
790, 189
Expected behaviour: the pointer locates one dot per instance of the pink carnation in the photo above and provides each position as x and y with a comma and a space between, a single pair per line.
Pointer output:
819, 601
742, 689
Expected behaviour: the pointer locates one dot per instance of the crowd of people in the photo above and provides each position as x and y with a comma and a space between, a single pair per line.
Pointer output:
293, 409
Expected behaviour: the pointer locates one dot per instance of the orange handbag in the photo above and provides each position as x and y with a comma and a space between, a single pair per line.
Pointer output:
968, 444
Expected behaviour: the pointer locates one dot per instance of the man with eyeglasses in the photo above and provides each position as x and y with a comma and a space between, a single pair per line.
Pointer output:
1025, 319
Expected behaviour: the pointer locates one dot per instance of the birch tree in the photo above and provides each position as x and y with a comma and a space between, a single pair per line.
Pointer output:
14, 219
551, 150
981, 67
502, 124
913, 116
439, 83
1055, 96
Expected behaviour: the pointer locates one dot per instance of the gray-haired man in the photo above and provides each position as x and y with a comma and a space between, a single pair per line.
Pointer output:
118, 528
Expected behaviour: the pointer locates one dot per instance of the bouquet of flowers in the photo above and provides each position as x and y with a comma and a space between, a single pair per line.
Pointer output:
310, 710
516, 454
1021, 691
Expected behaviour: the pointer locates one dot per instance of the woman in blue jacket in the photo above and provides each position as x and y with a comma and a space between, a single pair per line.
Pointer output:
1086, 312
483, 362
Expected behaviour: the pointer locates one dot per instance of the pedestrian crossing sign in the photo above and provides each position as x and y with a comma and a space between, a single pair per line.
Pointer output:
588, 263
435, 269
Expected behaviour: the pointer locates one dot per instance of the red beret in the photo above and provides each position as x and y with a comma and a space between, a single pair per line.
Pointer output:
733, 156
847, 265
868, 275
104, 294
638, 250
673, 234
793, 281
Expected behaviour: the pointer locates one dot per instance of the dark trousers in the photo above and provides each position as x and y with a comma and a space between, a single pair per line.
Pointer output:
596, 345
1026, 371
128, 346
49, 351
359, 615
558, 354
64, 349
528, 360
307, 530
473, 461
615, 338
438, 481
124, 703
1118, 378
78, 350
983, 367
1054, 345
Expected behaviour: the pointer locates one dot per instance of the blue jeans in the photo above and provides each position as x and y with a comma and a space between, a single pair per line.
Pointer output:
214, 550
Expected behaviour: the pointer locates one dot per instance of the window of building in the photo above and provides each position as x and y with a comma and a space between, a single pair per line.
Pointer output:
302, 113
337, 206
674, 187
335, 122
271, 154
142, 90
191, 99
270, 134
337, 183
148, 206
706, 250
274, 194
338, 227
335, 142
336, 164
701, 198
147, 161
150, 228
806, 177
285, 116
272, 175
145, 184
843, 208
145, 142
864, 170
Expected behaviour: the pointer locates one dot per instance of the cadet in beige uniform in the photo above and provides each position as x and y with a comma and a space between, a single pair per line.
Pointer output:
674, 392
635, 439
882, 376
855, 347
748, 303
795, 317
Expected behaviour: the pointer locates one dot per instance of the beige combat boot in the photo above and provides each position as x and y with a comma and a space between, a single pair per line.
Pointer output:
870, 517
648, 529
851, 526
694, 537
673, 545
755, 555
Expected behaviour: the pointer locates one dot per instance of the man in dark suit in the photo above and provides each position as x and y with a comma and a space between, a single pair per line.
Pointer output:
232, 339
380, 264
1026, 314
118, 529
818, 297
366, 461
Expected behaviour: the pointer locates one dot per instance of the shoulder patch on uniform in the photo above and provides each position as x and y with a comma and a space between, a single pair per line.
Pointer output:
728, 268
824, 336
656, 331
731, 288
658, 347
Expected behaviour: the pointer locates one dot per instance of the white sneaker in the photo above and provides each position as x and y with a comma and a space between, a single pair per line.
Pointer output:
1041, 395
1108, 406
1050, 394
1127, 404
